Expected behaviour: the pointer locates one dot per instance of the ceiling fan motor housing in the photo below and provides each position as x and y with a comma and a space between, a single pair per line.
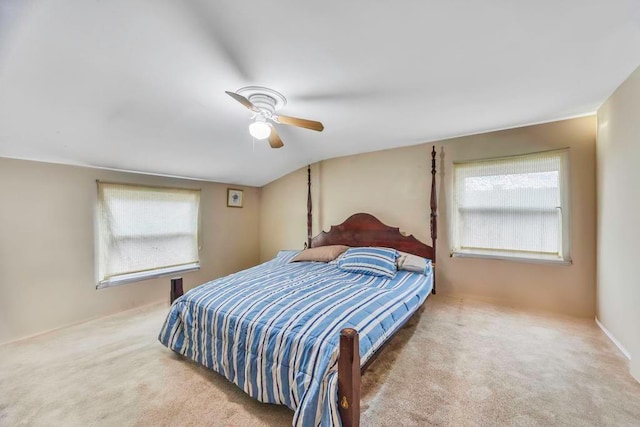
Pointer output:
267, 100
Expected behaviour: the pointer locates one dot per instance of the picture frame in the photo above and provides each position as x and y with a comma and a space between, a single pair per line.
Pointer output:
235, 198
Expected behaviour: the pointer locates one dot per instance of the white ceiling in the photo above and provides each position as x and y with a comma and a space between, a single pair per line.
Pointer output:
139, 85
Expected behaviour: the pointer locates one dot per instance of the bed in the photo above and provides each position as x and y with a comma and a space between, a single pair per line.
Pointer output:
300, 334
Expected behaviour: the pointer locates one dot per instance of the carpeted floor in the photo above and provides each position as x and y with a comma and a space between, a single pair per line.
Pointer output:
458, 363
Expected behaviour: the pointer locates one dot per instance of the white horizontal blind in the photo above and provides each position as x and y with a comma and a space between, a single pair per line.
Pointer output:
145, 232
513, 207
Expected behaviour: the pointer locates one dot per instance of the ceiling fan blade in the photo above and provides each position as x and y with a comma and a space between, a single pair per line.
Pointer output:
301, 123
242, 100
274, 138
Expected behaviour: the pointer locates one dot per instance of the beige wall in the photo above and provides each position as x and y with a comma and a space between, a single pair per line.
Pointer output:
47, 269
394, 186
618, 224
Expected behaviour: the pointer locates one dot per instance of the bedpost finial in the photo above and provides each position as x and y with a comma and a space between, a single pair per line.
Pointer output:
433, 160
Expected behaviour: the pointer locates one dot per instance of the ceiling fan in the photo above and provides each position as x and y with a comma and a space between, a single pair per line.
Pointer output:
264, 103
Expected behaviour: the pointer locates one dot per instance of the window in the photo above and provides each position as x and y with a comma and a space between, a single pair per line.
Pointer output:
145, 232
515, 207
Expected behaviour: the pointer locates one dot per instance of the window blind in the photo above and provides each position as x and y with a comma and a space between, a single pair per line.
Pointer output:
514, 207
145, 232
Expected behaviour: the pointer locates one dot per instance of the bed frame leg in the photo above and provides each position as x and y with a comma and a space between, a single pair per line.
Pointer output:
433, 271
349, 378
176, 289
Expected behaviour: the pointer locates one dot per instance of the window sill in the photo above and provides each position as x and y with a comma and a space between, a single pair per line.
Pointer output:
503, 257
146, 275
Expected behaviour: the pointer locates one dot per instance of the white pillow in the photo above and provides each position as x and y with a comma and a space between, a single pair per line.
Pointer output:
414, 263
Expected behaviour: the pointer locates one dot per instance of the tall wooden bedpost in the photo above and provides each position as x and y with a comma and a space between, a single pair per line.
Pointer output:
349, 378
309, 206
434, 214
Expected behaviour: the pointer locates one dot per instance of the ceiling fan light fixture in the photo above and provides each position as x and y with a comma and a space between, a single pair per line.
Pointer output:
260, 129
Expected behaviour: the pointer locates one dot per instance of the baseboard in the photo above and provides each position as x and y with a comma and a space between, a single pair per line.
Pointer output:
80, 322
613, 339
516, 305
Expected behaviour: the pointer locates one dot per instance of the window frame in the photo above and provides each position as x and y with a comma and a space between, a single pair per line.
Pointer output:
150, 274
511, 255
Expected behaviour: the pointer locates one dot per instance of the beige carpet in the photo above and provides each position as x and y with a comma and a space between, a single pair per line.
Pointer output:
459, 363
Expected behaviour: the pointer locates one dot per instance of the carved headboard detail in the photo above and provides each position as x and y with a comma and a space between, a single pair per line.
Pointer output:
363, 229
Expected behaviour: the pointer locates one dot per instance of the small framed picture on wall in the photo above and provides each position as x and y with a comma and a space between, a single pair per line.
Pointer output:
235, 198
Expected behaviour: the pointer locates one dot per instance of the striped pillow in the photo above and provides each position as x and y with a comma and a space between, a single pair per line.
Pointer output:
371, 261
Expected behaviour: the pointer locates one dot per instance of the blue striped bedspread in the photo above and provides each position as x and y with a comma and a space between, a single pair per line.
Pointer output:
274, 329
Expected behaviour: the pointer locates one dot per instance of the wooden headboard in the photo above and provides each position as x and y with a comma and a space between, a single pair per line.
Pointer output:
363, 229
